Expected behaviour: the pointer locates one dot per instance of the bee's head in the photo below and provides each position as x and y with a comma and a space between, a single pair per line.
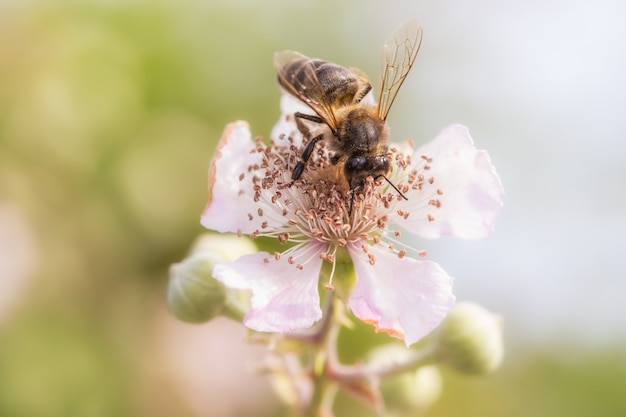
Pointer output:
359, 167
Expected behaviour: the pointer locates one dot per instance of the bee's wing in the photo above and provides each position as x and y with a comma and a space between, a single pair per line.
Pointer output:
399, 53
296, 74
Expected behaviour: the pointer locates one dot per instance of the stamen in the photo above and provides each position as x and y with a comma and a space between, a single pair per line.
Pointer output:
320, 207
434, 202
331, 257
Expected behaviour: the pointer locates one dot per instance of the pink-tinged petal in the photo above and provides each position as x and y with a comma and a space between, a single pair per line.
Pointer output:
403, 297
284, 297
465, 195
231, 206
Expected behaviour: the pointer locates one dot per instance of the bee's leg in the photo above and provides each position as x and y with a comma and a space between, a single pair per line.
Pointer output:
308, 151
309, 117
301, 126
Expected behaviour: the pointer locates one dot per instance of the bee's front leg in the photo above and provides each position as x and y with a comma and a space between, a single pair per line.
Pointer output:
306, 132
302, 127
306, 154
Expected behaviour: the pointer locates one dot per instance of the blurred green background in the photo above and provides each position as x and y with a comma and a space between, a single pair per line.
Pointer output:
110, 111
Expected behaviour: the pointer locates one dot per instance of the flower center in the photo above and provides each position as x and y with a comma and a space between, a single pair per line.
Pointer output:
316, 206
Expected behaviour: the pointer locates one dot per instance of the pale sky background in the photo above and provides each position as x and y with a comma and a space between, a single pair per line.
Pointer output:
542, 87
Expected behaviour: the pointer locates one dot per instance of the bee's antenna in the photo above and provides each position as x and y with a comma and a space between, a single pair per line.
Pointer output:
394, 187
353, 192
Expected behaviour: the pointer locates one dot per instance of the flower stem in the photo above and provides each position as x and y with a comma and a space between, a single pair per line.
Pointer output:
350, 374
324, 389
323, 395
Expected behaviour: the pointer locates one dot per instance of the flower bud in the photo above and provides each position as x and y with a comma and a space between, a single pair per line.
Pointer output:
222, 248
193, 295
409, 393
470, 340
290, 381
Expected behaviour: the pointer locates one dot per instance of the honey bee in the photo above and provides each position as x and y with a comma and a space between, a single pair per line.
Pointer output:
357, 133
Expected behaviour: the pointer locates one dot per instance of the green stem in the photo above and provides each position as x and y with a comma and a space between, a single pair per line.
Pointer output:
324, 389
350, 374
318, 402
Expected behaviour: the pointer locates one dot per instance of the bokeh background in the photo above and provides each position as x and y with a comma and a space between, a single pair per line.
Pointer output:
110, 111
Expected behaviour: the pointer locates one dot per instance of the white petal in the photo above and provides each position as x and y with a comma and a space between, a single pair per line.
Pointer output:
465, 184
231, 206
284, 297
403, 297
286, 125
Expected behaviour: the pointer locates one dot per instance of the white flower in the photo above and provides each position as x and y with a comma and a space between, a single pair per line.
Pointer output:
450, 188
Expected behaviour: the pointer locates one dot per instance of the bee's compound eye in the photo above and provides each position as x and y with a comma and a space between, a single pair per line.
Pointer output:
355, 164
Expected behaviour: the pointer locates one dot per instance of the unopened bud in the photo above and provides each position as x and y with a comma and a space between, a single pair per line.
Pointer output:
193, 295
411, 392
470, 340
222, 248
